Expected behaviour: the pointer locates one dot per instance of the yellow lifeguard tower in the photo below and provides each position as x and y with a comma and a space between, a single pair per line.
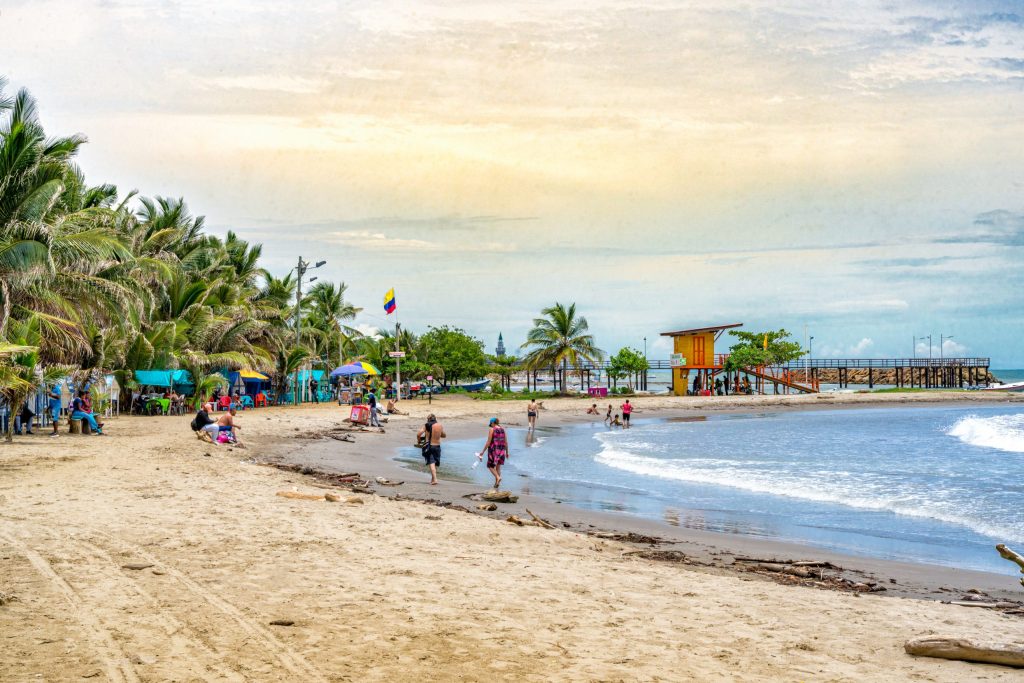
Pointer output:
694, 350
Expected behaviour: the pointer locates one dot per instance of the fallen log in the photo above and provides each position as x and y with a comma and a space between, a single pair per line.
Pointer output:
500, 497
538, 520
1012, 556
1006, 654
295, 495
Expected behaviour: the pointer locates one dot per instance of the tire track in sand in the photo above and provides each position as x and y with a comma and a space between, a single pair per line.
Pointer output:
289, 659
113, 659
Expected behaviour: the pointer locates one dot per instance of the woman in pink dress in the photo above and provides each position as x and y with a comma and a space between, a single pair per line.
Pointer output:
497, 450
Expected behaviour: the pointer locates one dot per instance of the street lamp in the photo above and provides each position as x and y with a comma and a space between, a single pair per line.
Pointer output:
941, 338
929, 338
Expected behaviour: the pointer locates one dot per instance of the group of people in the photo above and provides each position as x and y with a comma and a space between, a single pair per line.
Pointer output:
617, 420
223, 430
495, 447
721, 387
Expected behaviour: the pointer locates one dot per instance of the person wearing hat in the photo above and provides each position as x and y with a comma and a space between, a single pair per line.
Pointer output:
496, 448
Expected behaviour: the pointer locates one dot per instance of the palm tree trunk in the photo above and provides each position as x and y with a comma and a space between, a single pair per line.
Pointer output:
565, 367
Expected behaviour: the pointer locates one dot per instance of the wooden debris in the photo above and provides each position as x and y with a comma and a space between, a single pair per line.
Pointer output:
295, 495
660, 555
355, 500
332, 497
1006, 654
387, 482
137, 566
984, 605
362, 489
500, 497
515, 520
627, 538
538, 520
1012, 556
6, 598
488, 507
282, 622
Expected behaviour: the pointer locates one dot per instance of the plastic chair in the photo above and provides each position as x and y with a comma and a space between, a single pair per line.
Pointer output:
224, 403
261, 400
246, 401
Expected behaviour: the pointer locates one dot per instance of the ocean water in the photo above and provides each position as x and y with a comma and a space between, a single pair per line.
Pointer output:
938, 485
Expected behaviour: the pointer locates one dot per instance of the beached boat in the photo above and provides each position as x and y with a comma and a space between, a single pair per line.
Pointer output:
1012, 386
476, 386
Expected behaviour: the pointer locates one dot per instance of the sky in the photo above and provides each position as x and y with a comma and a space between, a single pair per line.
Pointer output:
849, 171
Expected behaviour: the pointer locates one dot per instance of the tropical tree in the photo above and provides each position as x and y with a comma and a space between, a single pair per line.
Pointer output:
504, 367
560, 338
627, 363
452, 354
754, 349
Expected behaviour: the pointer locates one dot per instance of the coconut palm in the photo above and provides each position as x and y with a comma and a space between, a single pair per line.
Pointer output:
560, 338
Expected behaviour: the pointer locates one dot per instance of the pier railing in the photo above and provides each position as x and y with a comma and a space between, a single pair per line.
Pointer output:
885, 363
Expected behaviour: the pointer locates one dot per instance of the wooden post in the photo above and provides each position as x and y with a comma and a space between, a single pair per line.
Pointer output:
871, 378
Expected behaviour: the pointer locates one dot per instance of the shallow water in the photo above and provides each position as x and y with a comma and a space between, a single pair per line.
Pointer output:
938, 485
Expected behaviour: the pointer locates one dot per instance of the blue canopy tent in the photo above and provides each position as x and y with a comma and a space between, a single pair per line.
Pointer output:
248, 382
303, 383
177, 379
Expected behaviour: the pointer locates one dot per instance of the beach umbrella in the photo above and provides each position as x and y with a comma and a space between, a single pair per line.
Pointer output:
356, 368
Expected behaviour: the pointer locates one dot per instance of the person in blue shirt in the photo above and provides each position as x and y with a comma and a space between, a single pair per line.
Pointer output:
53, 404
80, 411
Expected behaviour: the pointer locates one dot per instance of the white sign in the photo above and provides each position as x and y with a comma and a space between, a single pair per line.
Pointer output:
397, 354
677, 360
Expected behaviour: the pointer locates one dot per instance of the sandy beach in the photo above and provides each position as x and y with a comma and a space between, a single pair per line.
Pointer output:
148, 555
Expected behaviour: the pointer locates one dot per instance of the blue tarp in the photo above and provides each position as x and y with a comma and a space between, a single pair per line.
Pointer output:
163, 378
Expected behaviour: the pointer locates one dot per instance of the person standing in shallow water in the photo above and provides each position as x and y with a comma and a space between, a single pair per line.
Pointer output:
432, 433
496, 448
531, 413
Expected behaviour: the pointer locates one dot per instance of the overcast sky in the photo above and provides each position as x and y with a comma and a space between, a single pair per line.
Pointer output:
855, 168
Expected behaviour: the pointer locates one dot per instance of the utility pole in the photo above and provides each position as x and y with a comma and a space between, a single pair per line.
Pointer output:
300, 270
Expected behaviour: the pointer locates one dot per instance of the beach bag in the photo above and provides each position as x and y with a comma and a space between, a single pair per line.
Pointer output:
223, 437
194, 425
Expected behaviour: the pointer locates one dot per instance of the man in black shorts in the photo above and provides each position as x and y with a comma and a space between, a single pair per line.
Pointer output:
432, 433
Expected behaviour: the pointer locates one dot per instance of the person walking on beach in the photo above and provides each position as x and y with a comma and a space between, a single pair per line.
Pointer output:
531, 413
496, 449
371, 401
432, 433
313, 386
627, 410
53, 403
608, 415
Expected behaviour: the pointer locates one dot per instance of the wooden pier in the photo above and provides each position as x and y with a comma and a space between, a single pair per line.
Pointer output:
926, 373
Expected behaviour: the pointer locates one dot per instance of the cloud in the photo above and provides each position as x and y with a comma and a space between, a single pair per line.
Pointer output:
861, 347
865, 305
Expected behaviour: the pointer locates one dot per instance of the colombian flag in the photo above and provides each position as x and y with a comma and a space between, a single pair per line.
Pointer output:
389, 301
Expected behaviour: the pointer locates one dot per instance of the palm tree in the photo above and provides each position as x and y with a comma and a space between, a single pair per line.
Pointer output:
20, 373
560, 338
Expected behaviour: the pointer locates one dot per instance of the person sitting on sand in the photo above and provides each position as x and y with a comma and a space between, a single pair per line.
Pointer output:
592, 410
496, 448
616, 422
81, 409
393, 409
226, 425
204, 426
432, 433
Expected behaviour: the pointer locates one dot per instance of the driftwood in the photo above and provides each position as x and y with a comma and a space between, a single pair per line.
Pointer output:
487, 507
387, 482
538, 520
500, 497
295, 495
1012, 556
1007, 654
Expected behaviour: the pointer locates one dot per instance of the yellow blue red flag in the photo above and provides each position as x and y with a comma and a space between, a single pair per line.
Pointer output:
389, 301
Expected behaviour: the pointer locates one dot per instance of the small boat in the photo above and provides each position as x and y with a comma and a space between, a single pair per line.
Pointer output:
1012, 386
476, 386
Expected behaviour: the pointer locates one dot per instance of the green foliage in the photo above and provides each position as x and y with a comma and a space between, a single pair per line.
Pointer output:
627, 363
560, 337
452, 354
751, 351
517, 395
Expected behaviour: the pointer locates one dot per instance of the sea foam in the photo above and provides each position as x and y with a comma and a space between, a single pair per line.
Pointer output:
855, 490
1002, 432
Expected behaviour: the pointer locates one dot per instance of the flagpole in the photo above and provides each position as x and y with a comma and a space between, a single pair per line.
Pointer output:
398, 359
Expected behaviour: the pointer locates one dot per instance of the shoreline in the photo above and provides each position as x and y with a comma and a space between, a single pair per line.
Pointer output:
708, 550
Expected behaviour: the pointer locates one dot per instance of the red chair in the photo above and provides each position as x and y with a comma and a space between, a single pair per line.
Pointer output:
261, 400
224, 403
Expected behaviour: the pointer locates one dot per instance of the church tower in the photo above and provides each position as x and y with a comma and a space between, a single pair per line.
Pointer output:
500, 350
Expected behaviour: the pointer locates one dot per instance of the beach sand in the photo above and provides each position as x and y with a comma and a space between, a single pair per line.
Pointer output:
392, 590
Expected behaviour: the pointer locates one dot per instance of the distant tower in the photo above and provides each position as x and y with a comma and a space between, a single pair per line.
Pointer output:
500, 351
